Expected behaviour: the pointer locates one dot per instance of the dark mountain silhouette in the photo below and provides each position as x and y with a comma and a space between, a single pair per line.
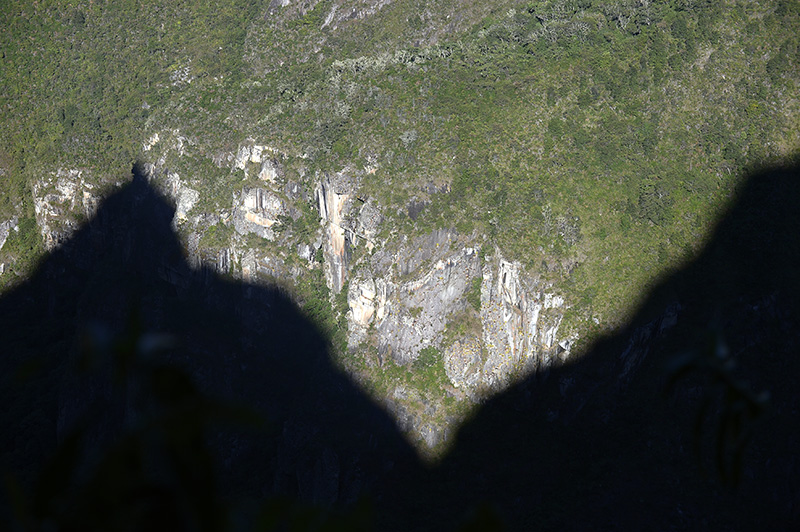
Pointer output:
658, 427
120, 300
662, 426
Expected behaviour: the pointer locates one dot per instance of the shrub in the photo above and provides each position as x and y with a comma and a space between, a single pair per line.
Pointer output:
474, 293
655, 202
428, 357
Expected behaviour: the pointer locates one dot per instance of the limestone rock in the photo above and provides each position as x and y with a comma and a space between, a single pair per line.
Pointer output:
305, 252
366, 300
334, 194
295, 191
257, 212
249, 266
463, 363
6, 228
269, 170
185, 197
417, 315
152, 141
411, 314
256, 154
368, 223
520, 323
59, 201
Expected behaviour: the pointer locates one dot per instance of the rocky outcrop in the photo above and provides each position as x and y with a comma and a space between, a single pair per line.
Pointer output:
520, 323
404, 295
257, 211
264, 158
60, 201
424, 288
463, 361
6, 228
409, 309
185, 197
214, 239
335, 195
417, 315
366, 224
366, 300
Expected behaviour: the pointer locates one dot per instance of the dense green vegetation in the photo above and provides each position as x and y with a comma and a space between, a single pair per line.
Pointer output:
217, 236
474, 294
595, 141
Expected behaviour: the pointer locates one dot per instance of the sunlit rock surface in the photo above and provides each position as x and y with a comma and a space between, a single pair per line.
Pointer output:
61, 202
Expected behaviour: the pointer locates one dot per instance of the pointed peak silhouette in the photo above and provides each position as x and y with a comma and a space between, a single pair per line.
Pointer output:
122, 284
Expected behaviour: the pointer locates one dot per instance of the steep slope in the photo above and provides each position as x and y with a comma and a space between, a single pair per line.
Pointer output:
458, 193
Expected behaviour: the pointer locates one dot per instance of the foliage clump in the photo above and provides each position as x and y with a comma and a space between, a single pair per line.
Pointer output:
474, 293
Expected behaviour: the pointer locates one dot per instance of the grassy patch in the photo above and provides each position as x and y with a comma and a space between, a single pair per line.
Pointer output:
217, 236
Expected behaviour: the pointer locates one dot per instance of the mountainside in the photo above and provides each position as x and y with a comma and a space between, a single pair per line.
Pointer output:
493, 265
457, 193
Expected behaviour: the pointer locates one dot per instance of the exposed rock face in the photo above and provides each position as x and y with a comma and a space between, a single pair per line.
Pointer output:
463, 361
416, 315
249, 266
257, 212
420, 251
520, 323
404, 294
56, 200
410, 315
6, 228
367, 223
517, 327
152, 141
265, 156
334, 196
185, 197
269, 170
366, 299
